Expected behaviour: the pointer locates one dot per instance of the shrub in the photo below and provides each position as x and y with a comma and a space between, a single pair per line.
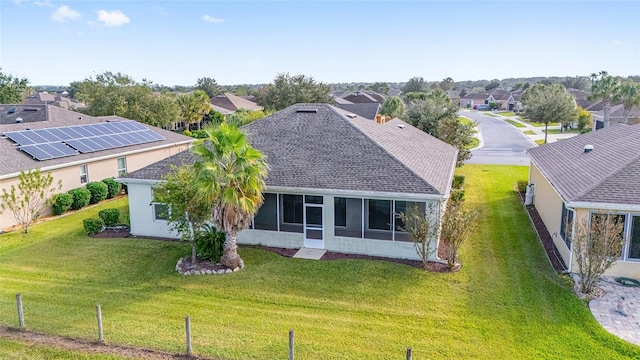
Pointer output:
113, 187
61, 203
110, 217
81, 198
209, 243
98, 191
93, 226
458, 181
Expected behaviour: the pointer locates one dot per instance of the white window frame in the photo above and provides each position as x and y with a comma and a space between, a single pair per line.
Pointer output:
84, 172
121, 170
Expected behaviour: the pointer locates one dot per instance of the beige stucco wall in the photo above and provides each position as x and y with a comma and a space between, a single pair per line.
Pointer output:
98, 169
549, 205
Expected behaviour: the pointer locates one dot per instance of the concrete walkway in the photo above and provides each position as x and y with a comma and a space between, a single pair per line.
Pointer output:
539, 131
606, 310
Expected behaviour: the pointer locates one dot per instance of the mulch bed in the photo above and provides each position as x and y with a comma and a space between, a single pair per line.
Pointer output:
286, 252
545, 237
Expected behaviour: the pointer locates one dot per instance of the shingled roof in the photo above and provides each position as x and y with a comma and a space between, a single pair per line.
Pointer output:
233, 103
318, 146
12, 160
366, 110
608, 174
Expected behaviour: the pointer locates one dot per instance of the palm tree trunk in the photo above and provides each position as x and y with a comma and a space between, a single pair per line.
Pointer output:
230, 257
194, 252
546, 130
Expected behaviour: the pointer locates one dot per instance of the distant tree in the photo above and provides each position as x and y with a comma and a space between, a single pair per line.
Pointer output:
166, 110
447, 84
13, 90
193, 106
629, 95
394, 107
459, 135
415, 84
605, 89
583, 119
380, 87
463, 93
244, 117
578, 82
494, 84
598, 242
186, 216
27, 201
526, 86
548, 103
230, 177
546, 81
518, 86
209, 86
240, 90
213, 117
289, 90
593, 77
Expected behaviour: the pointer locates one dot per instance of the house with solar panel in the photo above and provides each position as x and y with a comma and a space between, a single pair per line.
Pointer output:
336, 182
76, 148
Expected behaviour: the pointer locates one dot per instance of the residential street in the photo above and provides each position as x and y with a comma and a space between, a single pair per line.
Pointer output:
500, 142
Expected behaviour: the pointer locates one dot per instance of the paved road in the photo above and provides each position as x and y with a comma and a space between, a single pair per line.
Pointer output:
502, 143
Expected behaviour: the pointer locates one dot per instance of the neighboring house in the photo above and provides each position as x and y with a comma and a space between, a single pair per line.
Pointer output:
454, 96
572, 182
502, 98
230, 103
337, 100
615, 116
60, 100
364, 96
66, 144
469, 100
366, 110
336, 182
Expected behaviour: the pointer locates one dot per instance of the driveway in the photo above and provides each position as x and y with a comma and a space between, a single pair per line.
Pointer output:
501, 143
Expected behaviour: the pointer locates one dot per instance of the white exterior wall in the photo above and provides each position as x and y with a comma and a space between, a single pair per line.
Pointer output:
141, 214
143, 224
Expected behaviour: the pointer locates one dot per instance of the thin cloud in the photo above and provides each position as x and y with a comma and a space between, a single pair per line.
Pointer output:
113, 18
210, 19
43, 3
64, 14
19, 2
160, 10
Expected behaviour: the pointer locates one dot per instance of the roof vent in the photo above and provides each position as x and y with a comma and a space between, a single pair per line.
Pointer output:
401, 126
350, 115
18, 120
588, 148
11, 110
307, 110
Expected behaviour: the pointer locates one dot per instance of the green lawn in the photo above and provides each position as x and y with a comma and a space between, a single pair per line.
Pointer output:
507, 113
505, 303
12, 349
514, 123
465, 120
539, 141
557, 131
539, 124
474, 143
529, 132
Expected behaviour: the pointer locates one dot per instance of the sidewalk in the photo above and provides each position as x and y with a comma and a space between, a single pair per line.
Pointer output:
538, 131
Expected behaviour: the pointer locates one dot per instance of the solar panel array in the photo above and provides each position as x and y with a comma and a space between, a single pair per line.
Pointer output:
51, 143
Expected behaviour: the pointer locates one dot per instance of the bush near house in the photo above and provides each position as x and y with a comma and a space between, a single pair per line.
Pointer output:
61, 203
209, 243
81, 198
113, 187
98, 191
110, 217
93, 225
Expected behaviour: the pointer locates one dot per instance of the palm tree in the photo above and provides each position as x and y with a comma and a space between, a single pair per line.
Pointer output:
629, 96
230, 176
605, 89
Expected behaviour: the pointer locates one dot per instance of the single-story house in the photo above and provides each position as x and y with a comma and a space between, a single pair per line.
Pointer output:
336, 182
593, 172
503, 98
471, 99
615, 116
76, 148
366, 110
364, 96
228, 103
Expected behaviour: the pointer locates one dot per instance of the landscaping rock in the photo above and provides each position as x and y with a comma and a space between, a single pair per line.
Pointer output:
228, 271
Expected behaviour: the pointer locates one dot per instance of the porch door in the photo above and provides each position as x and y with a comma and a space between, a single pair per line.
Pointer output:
313, 227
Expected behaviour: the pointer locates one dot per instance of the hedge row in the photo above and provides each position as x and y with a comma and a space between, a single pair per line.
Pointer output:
93, 193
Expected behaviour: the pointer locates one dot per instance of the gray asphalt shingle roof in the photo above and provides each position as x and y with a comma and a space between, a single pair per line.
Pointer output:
610, 173
328, 150
12, 160
366, 110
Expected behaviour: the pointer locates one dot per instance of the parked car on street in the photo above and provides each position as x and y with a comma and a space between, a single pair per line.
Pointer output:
483, 107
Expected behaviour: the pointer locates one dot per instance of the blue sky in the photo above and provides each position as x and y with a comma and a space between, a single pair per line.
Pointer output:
54, 42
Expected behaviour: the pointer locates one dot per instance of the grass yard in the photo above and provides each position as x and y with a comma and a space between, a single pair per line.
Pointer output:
539, 141
465, 120
529, 132
507, 113
539, 124
13, 349
505, 303
514, 123
557, 131
475, 142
